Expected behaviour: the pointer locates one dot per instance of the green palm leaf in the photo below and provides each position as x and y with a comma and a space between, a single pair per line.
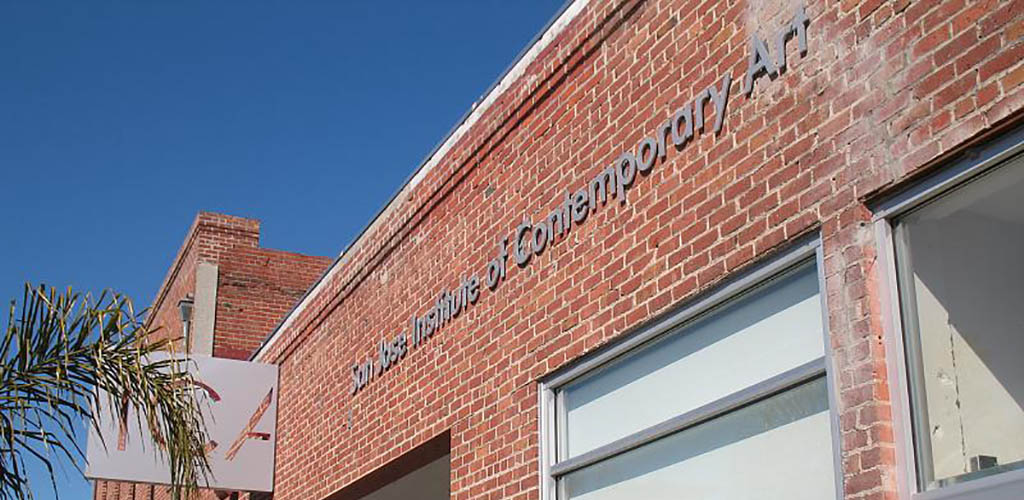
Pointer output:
59, 353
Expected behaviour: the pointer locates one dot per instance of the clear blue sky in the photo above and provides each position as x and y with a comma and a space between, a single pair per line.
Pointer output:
119, 120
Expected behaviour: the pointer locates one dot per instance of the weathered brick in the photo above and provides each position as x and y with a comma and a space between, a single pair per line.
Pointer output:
886, 89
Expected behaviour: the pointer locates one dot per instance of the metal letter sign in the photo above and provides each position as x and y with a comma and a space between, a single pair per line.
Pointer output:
239, 401
613, 180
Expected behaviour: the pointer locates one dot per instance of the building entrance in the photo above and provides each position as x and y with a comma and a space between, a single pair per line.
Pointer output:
423, 473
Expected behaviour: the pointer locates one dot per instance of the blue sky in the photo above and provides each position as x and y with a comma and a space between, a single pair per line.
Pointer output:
122, 119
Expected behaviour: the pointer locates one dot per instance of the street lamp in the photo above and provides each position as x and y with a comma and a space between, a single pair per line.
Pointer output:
185, 305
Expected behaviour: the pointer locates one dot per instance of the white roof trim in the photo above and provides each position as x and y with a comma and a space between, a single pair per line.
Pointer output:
554, 28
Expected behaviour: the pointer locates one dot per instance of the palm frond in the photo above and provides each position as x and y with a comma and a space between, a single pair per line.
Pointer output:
58, 354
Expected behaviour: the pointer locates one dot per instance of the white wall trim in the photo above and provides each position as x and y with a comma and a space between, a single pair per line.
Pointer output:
514, 72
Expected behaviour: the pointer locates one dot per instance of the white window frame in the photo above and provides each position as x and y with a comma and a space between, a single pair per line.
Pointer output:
968, 165
800, 253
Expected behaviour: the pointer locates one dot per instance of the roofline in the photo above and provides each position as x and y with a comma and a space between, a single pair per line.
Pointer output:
198, 222
569, 10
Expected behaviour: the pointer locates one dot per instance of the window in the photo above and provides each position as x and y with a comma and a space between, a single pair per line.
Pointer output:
960, 280
733, 387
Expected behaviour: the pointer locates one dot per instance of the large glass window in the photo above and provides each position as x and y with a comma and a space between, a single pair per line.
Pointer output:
961, 282
738, 391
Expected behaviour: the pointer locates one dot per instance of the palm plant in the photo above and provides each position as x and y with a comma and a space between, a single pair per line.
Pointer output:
61, 354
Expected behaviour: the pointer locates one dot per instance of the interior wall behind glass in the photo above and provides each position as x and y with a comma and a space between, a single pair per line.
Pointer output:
430, 482
968, 278
777, 449
772, 330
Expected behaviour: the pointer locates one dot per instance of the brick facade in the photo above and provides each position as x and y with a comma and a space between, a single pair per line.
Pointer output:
257, 287
208, 238
887, 91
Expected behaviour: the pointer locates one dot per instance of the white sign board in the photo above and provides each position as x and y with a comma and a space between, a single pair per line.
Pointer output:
239, 401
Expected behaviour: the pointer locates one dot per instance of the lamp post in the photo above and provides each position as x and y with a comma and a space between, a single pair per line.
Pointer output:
186, 306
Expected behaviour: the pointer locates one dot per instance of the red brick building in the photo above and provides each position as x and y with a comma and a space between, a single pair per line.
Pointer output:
236, 291
689, 249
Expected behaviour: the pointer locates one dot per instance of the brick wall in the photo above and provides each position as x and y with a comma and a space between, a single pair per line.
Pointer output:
210, 235
256, 288
888, 89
